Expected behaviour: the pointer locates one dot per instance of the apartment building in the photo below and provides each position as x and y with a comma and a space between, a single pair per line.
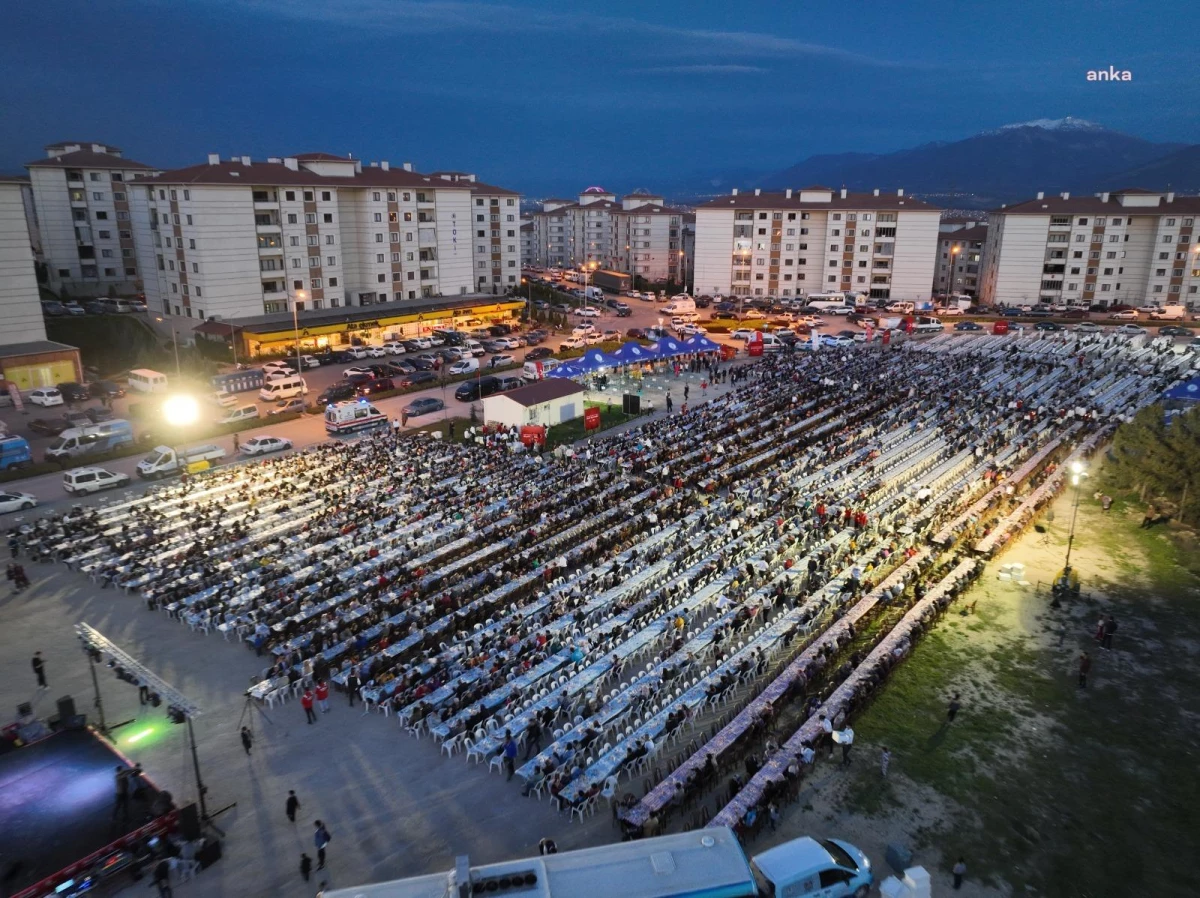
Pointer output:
495, 228
528, 243
235, 237
27, 358
80, 191
638, 234
960, 259
1131, 246
816, 240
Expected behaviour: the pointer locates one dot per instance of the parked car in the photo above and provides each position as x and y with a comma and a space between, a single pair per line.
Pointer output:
1130, 330
968, 326
45, 397
394, 347
501, 360
286, 406
310, 361
588, 312
261, 445
74, 392
635, 333
836, 340
73, 308
106, 388
1047, 326
378, 385
742, 333
336, 392
423, 406
357, 370
53, 309
98, 413
538, 353
1088, 327
92, 480
49, 427
1124, 315
417, 378
376, 352
16, 502
476, 388
1175, 330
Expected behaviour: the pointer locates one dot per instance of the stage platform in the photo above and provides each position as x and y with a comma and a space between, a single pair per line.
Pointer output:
57, 798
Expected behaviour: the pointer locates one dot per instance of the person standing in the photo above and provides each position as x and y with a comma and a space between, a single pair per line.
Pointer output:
39, 670
670, 404
247, 740
305, 866
1110, 627
959, 870
510, 756
352, 684
293, 805
321, 838
827, 732
237, 444
162, 878
121, 803
1085, 664
847, 744
885, 760
323, 695
533, 738
306, 702
952, 710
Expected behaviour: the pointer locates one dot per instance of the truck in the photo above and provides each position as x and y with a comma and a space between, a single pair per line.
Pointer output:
238, 381
593, 293
680, 304
835, 303
1170, 312
704, 863
164, 461
14, 453
354, 416
79, 441
612, 281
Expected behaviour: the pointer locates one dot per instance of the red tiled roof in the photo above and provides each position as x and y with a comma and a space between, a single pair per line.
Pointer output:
979, 232
79, 143
480, 187
852, 201
1094, 205
542, 391
88, 159
321, 157
276, 173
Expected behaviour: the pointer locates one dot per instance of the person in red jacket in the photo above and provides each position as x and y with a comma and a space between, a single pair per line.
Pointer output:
306, 702
323, 695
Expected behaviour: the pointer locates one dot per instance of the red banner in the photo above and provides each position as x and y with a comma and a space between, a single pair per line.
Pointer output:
754, 346
533, 435
887, 337
591, 418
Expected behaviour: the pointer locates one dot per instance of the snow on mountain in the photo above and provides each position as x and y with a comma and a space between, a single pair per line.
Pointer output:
1052, 124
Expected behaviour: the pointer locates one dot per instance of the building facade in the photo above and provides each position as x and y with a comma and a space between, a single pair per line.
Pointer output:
816, 240
960, 260
495, 232
235, 238
1132, 246
81, 196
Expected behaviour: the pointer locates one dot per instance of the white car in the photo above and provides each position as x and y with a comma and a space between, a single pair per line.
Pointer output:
224, 399
356, 352
264, 444
593, 338
45, 396
580, 329
394, 347
949, 310
499, 361
423, 342
310, 361
92, 480
1088, 327
689, 330
357, 369
279, 374
1130, 330
435, 340
573, 343
835, 340
376, 352
742, 333
278, 363
1126, 315
16, 502
589, 312
508, 342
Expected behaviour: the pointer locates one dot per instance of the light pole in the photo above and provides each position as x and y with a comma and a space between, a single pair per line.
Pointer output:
181, 412
1078, 473
954, 251
300, 294
174, 342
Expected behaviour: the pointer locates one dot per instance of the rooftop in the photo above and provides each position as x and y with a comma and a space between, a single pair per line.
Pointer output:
774, 200
260, 324
89, 159
543, 391
1105, 203
979, 232
322, 157
33, 347
277, 173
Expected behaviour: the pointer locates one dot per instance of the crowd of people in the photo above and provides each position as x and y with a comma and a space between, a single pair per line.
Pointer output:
593, 607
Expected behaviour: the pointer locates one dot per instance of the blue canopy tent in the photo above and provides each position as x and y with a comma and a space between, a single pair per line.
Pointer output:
633, 352
568, 369
700, 343
669, 346
1188, 391
594, 360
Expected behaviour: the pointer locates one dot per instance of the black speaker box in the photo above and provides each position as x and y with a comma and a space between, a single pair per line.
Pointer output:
189, 822
66, 708
631, 404
209, 854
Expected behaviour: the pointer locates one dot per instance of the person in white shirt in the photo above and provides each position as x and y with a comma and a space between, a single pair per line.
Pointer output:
846, 738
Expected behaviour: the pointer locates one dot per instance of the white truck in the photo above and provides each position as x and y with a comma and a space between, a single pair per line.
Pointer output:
1172, 312
679, 305
703, 863
593, 293
165, 461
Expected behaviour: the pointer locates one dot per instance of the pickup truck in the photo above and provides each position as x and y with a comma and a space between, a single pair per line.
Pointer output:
163, 461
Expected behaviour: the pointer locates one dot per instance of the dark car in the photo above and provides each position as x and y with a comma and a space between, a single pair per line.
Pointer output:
703, 302
78, 418
98, 413
536, 336
1074, 313
423, 406
49, 427
724, 307
1048, 326
1174, 330
1011, 312
378, 385
417, 378
420, 363
968, 326
1041, 312
636, 333
497, 330
102, 388
624, 312
93, 308
53, 309
493, 346
411, 346
562, 307
337, 392
334, 357
477, 388
400, 369
74, 392
538, 352
358, 380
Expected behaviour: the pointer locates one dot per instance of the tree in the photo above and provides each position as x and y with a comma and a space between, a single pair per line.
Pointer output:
1159, 459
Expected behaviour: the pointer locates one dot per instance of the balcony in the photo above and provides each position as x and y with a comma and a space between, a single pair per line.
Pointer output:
267, 228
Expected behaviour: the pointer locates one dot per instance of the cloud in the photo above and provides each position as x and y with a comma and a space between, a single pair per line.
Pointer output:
411, 17
710, 69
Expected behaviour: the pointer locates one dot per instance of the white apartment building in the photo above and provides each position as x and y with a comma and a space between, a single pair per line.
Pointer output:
816, 240
960, 260
495, 230
528, 243
1131, 246
639, 234
80, 192
235, 238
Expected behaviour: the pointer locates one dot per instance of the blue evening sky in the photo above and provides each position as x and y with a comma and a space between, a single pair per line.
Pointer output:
552, 96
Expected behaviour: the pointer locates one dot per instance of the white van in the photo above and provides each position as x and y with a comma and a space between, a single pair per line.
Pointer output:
834, 303
146, 381
241, 413
463, 366
532, 371
772, 343
679, 304
283, 388
904, 308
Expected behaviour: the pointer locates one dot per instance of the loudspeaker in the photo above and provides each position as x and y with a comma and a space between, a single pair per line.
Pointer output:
25, 709
189, 822
209, 854
631, 404
66, 708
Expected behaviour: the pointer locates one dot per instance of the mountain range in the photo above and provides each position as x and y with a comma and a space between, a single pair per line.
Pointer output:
993, 167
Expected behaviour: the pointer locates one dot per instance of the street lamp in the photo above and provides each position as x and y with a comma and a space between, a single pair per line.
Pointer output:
300, 294
1078, 473
180, 411
954, 251
174, 341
